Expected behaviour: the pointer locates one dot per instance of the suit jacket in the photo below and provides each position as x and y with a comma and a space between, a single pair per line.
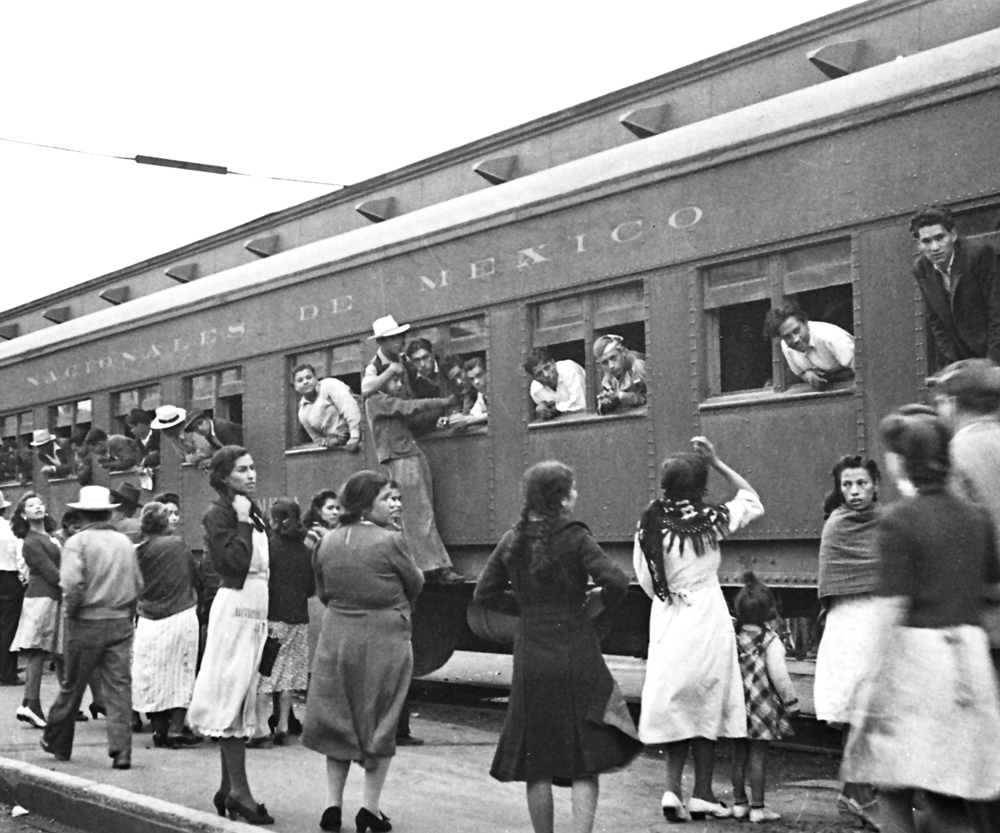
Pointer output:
967, 326
59, 454
149, 450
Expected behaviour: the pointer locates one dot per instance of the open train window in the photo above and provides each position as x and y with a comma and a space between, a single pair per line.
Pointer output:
737, 297
71, 420
341, 361
220, 393
15, 451
567, 329
123, 402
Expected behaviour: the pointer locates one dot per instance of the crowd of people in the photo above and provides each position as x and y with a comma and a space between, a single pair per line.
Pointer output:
907, 664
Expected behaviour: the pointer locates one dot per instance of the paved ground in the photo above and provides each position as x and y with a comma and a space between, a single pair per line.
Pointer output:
443, 785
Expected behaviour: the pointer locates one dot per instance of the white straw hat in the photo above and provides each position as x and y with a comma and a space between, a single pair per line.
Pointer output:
387, 326
167, 416
94, 499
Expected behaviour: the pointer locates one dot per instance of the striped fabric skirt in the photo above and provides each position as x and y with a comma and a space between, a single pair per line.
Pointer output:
164, 655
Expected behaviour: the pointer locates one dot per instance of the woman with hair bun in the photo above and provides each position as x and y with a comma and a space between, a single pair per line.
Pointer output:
693, 693
291, 583
930, 719
567, 721
848, 578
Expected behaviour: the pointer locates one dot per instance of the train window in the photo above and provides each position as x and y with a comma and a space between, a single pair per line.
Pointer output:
15, 451
569, 327
737, 297
147, 398
220, 393
71, 420
341, 361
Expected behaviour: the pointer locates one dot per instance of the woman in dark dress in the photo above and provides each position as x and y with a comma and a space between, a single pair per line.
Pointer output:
567, 721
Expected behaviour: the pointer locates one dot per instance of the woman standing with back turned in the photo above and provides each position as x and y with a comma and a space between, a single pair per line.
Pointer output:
567, 721
693, 693
224, 702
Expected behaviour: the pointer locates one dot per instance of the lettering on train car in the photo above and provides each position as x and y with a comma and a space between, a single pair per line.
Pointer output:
335, 306
145, 353
628, 231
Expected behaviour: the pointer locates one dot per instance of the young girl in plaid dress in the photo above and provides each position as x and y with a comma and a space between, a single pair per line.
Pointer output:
770, 696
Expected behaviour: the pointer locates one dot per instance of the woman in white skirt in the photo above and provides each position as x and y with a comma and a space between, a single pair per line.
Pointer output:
39, 631
929, 718
224, 703
165, 650
848, 579
693, 692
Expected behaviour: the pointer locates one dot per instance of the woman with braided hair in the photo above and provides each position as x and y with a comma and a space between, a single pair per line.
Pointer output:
693, 693
567, 721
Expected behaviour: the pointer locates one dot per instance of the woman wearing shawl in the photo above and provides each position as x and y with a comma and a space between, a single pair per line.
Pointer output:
848, 579
693, 693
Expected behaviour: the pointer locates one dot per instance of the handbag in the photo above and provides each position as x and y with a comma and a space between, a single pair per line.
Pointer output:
270, 653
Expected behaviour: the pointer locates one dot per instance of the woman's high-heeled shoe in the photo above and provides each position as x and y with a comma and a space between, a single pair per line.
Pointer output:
257, 816
330, 819
97, 709
367, 820
673, 809
855, 811
219, 800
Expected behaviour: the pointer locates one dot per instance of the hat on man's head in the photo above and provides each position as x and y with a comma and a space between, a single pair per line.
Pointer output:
387, 326
195, 418
4, 503
41, 437
95, 499
167, 416
126, 494
138, 416
967, 376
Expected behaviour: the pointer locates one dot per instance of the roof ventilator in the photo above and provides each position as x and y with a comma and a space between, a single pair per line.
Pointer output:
835, 60
57, 315
263, 246
376, 210
117, 295
647, 121
9, 331
183, 272
498, 170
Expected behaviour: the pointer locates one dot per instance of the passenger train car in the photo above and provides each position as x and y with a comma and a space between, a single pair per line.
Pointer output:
680, 243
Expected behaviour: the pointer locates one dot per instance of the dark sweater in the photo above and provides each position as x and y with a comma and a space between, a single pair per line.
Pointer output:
938, 552
42, 555
168, 570
291, 582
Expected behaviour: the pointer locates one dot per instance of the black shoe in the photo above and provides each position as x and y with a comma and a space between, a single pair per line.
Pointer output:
272, 722
367, 820
219, 800
46, 746
97, 709
408, 740
11, 681
81, 717
294, 724
136, 722
121, 760
330, 819
250, 816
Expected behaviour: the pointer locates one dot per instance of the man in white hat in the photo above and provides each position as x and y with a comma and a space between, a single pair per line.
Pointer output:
55, 453
169, 421
11, 597
101, 582
387, 363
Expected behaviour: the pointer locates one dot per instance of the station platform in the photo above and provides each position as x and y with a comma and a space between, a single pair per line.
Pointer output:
443, 785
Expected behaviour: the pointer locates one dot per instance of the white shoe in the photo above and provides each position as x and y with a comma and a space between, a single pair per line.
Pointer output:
26, 715
741, 812
699, 808
673, 809
759, 815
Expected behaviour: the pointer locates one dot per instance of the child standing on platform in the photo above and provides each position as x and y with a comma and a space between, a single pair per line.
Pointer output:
769, 693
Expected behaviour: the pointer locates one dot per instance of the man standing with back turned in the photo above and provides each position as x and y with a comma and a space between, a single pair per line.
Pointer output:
960, 282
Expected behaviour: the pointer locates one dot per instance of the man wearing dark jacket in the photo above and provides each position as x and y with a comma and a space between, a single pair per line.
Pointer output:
960, 283
216, 432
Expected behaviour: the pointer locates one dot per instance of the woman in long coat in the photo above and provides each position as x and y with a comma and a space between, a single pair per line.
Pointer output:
224, 702
364, 659
567, 721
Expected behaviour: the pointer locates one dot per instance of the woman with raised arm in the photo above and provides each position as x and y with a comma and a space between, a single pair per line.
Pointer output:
567, 721
848, 579
363, 665
224, 702
693, 693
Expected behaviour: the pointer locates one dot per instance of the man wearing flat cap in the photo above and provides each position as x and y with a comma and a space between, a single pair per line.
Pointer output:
967, 395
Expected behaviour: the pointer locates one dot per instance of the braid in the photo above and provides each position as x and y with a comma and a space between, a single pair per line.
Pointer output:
651, 544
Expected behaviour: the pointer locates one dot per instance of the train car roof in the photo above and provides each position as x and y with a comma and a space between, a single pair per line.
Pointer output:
711, 141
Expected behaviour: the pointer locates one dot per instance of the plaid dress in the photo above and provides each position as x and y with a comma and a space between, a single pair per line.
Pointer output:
767, 717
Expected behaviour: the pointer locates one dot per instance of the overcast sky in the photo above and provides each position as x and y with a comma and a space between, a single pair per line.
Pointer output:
329, 91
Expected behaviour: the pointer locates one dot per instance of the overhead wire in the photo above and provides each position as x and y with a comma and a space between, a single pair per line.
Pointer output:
172, 163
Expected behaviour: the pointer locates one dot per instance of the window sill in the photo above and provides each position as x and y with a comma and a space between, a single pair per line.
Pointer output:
315, 449
587, 417
479, 430
771, 396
